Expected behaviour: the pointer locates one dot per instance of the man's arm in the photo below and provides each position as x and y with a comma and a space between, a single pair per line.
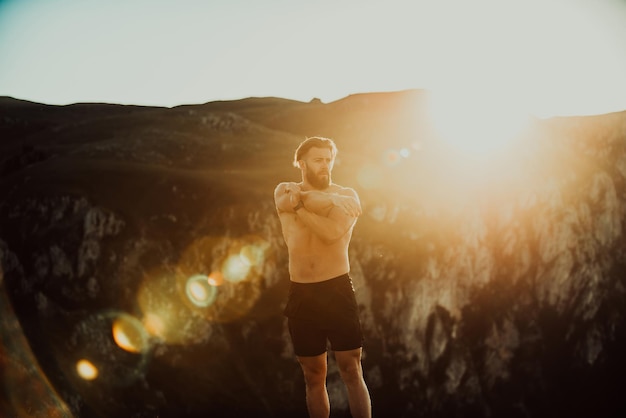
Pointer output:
336, 222
286, 197
322, 202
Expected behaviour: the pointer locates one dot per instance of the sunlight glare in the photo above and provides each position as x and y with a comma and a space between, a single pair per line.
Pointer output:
476, 122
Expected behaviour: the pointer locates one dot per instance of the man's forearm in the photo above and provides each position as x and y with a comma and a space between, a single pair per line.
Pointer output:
327, 229
322, 203
318, 202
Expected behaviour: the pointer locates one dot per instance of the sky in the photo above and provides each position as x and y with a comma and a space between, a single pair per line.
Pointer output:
548, 57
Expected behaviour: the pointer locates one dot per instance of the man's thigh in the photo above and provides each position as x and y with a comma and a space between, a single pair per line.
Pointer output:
346, 334
308, 338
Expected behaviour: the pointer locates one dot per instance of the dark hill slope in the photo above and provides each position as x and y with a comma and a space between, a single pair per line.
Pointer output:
487, 288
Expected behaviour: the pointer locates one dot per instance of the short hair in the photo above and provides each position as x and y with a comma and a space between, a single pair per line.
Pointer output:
314, 142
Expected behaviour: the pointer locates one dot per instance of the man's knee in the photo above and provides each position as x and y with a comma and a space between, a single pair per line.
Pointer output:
351, 372
314, 371
350, 367
314, 378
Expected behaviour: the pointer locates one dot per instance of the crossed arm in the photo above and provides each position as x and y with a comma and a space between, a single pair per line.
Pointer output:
329, 215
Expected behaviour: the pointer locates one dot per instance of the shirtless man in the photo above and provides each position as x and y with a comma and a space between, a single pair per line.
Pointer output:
317, 218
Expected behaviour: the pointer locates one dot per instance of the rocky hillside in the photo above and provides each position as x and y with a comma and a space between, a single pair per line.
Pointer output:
143, 242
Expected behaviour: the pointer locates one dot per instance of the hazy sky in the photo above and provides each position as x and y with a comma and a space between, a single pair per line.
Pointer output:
547, 56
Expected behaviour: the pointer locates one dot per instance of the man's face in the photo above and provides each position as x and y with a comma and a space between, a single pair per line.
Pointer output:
318, 167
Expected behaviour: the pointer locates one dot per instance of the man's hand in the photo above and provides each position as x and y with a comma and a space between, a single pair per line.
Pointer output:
330, 216
293, 190
287, 196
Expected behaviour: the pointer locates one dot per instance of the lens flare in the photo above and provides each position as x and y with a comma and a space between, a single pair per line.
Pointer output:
252, 255
86, 370
172, 305
196, 291
392, 157
199, 290
216, 278
154, 324
235, 269
129, 334
180, 303
114, 341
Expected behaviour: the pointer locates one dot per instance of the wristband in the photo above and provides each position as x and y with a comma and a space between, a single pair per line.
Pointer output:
298, 206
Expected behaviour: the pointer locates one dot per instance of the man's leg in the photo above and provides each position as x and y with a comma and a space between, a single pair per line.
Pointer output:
314, 369
349, 363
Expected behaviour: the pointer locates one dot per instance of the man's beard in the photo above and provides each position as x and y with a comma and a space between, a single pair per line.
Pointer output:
318, 182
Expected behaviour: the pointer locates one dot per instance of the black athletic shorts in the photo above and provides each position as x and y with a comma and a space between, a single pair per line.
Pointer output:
321, 312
